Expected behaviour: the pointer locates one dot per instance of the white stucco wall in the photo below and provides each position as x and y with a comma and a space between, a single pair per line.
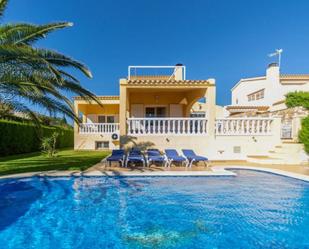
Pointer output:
88, 141
274, 90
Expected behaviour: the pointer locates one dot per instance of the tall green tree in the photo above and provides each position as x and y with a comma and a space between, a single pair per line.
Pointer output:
31, 76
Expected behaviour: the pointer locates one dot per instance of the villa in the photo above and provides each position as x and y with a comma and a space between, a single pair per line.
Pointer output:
158, 107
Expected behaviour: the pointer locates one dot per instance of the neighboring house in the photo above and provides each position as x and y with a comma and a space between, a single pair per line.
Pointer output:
164, 110
265, 97
266, 93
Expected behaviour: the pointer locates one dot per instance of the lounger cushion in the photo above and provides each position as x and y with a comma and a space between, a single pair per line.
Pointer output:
198, 158
137, 158
114, 158
117, 155
190, 154
156, 158
177, 158
153, 153
118, 152
173, 155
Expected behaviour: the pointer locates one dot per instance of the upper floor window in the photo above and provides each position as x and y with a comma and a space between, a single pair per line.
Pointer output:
106, 119
197, 114
256, 95
151, 112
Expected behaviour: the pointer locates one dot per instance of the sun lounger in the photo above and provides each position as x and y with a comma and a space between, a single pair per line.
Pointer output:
154, 156
116, 156
192, 157
135, 156
173, 156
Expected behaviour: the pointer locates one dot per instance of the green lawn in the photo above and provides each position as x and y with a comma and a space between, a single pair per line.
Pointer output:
65, 160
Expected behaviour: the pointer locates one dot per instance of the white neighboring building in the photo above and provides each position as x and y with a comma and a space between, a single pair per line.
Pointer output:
265, 97
266, 93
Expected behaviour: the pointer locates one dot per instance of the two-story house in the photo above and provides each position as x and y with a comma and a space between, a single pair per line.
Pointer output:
164, 110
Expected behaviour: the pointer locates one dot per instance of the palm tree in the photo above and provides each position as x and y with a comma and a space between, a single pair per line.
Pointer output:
35, 76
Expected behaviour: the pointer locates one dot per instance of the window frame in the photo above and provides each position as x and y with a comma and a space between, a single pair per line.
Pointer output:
257, 95
105, 145
106, 117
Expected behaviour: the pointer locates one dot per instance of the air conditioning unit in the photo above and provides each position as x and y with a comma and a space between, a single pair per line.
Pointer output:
115, 136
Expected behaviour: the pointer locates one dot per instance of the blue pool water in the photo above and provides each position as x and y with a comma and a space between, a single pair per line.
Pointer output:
251, 210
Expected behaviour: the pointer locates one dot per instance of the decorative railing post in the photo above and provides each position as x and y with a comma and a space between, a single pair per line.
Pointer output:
167, 126
243, 127
98, 128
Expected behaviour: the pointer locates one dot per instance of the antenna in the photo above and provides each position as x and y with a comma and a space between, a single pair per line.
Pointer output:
278, 53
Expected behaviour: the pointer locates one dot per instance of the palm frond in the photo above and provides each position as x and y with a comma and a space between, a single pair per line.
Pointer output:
58, 59
17, 106
3, 4
33, 85
79, 90
40, 57
32, 76
27, 34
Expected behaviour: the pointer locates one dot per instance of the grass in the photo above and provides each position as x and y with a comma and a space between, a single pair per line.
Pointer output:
65, 160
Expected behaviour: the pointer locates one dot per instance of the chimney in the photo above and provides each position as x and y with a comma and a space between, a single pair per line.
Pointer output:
272, 72
179, 72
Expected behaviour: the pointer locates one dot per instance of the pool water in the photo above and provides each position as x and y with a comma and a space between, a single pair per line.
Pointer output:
250, 210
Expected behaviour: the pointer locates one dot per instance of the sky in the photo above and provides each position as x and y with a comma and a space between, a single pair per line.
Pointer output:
222, 39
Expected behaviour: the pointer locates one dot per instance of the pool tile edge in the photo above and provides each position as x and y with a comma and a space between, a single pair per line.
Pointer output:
268, 170
216, 171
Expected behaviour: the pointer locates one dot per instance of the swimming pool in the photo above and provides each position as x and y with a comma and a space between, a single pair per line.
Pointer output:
251, 210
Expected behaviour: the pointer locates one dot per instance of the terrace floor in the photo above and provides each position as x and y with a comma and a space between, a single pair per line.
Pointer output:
298, 169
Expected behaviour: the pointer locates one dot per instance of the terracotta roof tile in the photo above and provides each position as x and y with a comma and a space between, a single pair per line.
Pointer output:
168, 82
294, 76
99, 97
232, 107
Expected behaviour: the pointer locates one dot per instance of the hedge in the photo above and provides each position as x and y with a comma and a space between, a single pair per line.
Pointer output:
17, 137
304, 133
294, 99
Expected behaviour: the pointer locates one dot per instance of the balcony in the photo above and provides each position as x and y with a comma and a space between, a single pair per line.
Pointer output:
244, 127
98, 128
184, 127
167, 126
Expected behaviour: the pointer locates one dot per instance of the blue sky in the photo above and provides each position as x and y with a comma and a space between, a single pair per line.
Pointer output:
226, 40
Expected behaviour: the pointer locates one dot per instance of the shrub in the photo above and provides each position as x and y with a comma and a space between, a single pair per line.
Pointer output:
49, 144
301, 99
294, 99
304, 133
18, 137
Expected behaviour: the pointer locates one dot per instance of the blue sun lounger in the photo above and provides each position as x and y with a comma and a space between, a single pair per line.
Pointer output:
116, 156
154, 156
192, 157
173, 156
135, 156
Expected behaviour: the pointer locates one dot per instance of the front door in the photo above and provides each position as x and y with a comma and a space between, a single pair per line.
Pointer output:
155, 112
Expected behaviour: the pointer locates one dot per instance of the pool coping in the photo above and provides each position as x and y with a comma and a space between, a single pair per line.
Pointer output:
216, 171
297, 176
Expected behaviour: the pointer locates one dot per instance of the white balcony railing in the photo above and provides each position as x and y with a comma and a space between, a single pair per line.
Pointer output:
244, 127
98, 128
184, 126
167, 126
